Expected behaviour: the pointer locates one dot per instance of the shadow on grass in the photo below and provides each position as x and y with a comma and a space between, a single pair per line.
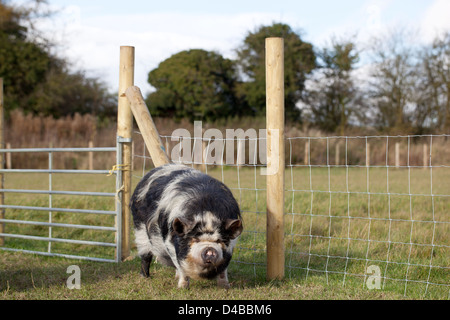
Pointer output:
22, 272
27, 276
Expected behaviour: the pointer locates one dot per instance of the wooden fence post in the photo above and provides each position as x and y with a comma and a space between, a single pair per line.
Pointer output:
2, 161
275, 180
132, 156
8, 157
397, 155
425, 155
125, 130
337, 155
306, 159
147, 127
91, 156
167, 147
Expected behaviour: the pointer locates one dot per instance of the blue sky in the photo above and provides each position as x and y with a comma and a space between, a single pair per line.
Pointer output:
90, 32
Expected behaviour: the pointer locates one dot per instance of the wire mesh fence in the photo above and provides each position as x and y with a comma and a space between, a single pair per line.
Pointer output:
371, 203
370, 211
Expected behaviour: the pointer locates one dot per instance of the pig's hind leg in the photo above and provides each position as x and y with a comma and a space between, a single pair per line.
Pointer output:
146, 260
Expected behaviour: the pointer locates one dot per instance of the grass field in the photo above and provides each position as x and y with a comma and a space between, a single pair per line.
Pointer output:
338, 222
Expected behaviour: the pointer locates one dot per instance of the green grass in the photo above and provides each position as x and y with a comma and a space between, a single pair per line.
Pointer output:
35, 277
337, 223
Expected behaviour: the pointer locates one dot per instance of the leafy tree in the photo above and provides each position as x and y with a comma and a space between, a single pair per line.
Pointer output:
195, 84
66, 93
23, 63
37, 81
299, 60
332, 98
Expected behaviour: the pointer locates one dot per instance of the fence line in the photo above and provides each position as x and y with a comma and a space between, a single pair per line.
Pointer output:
381, 214
340, 219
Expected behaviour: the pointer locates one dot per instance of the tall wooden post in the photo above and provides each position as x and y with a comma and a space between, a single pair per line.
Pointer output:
125, 130
2, 161
275, 157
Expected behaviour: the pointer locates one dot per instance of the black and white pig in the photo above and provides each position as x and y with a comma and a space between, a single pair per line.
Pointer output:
188, 220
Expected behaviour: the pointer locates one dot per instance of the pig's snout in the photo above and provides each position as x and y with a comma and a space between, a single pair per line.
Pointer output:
210, 255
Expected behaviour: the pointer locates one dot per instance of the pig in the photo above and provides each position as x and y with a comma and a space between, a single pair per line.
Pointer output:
187, 220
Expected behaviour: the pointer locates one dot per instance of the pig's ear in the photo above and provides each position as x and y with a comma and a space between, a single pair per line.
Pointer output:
180, 226
234, 227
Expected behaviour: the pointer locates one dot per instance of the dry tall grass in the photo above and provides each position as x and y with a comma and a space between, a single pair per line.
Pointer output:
28, 131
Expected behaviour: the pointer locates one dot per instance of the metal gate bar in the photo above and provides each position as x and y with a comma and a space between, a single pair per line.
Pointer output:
61, 255
73, 193
57, 209
62, 225
53, 171
92, 243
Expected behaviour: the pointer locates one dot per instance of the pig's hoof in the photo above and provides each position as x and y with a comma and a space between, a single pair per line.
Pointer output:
145, 274
224, 285
183, 283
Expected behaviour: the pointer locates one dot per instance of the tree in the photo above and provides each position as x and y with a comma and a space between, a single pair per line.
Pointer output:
299, 60
195, 84
392, 80
66, 93
23, 63
433, 94
37, 81
332, 98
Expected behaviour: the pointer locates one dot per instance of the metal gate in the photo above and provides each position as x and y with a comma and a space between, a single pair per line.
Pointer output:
10, 218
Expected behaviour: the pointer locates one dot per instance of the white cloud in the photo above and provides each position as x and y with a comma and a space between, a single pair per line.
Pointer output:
361, 23
93, 43
436, 20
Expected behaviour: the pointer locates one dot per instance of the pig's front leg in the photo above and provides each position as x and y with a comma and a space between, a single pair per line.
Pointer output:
183, 280
222, 280
146, 260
